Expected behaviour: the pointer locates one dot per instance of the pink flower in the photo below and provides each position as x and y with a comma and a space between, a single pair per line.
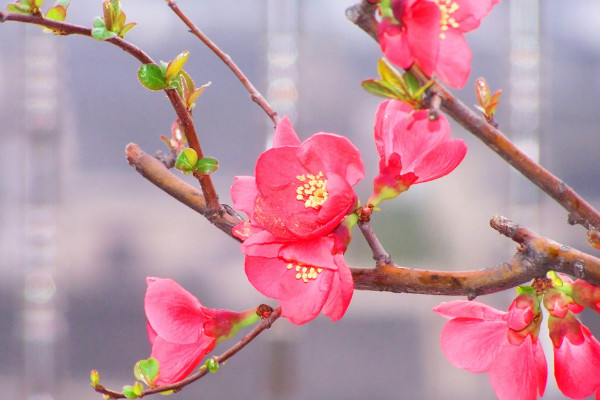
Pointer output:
182, 331
412, 149
430, 33
301, 190
307, 276
576, 351
480, 338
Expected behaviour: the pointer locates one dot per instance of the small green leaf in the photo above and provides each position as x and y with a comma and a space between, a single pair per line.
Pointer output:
109, 14
99, 23
129, 392
419, 93
64, 3
95, 378
195, 94
206, 166
176, 65
389, 74
212, 365
482, 92
380, 88
147, 371
126, 28
19, 8
102, 34
152, 77
119, 22
186, 160
57, 13
412, 83
167, 392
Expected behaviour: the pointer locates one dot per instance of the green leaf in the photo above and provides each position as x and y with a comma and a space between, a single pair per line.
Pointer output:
109, 14
412, 83
126, 28
152, 77
212, 365
119, 22
186, 160
129, 392
380, 88
99, 23
102, 34
176, 65
19, 8
206, 166
419, 93
95, 378
482, 92
147, 371
57, 13
389, 74
195, 94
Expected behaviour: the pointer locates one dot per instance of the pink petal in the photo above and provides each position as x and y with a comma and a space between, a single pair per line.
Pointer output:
516, 371
389, 114
423, 28
332, 154
417, 135
470, 13
302, 301
263, 244
285, 135
265, 274
394, 44
244, 193
441, 160
468, 309
173, 312
314, 252
341, 292
454, 60
577, 367
472, 344
176, 361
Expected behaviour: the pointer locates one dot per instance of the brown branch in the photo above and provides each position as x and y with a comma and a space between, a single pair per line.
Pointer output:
580, 211
233, 350
184, 116
156, 172
536, 255
255, 95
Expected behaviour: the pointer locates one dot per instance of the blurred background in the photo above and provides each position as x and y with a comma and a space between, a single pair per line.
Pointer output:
80, 229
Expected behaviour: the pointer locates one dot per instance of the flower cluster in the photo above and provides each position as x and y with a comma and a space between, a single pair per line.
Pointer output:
181, 331
412, 149
480, 338
430, 33
294, 239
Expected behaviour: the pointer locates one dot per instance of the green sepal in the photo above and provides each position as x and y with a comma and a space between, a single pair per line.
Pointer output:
152, 77
186, 160
526, 290
147, 371
176, 65
206, 166
212, 364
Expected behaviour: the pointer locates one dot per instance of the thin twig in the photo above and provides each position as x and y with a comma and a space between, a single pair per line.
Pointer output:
233, 350
184, 116
255, 95
580, 211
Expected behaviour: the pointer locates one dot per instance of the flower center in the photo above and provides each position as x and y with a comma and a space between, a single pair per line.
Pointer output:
313, 190
305, 272
447, 8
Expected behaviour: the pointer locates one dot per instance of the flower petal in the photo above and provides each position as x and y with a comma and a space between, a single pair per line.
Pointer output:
302, 301
440, 160
472, 344
469, 13
176, 361
516, 374
244, 193
394, 44
454, 60
422, 23
173, 312
468, 309
265, 274
341, 292
285, 135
